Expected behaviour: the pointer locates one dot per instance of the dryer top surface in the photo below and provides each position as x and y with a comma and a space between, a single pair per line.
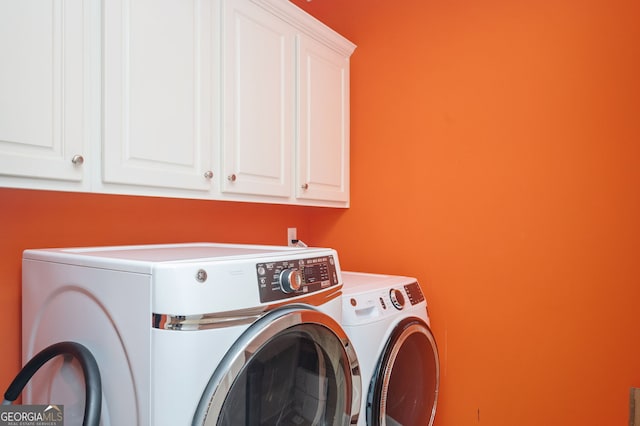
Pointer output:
361, 282
158, 253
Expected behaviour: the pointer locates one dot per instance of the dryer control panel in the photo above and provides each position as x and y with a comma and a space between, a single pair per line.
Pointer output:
284, 279
414, 293
397, 297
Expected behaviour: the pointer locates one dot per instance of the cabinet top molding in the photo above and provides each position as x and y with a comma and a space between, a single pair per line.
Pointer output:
308, 24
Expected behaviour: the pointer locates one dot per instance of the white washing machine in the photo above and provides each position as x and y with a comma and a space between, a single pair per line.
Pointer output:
201, 333
386, 319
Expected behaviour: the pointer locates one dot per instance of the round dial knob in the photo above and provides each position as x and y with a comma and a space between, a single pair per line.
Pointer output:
290, 280
397, 298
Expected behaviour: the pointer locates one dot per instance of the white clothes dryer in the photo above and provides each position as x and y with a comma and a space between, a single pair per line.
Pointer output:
386, 319
202, 334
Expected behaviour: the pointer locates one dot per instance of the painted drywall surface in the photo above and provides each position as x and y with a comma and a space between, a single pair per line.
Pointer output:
38, 219
496, 156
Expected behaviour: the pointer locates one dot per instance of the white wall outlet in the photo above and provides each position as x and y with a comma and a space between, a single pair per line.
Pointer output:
292, 236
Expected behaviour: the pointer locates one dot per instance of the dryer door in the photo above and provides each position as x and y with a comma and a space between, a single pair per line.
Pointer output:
404, 387
294, 366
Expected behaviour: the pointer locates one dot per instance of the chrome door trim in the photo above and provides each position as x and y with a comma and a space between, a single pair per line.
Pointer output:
260, 333
206, 321
377, 397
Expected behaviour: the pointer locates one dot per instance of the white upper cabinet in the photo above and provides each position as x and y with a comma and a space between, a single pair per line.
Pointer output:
285, 90
238, 100
157, 93
323, 125
43, 94
258, 101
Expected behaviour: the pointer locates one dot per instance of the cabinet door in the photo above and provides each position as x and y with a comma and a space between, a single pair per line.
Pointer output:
257, 90
42, 88
156, 96
323, 138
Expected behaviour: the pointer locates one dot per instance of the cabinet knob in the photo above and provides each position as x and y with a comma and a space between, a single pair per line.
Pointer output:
208, 174
77, 160
232, 178
304, 186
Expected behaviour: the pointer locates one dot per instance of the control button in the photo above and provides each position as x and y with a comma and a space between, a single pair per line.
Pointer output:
290, 280
353, 302
396, 298
261, 270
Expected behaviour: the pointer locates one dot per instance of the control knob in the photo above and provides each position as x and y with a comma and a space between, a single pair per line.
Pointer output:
397, 298
290, 280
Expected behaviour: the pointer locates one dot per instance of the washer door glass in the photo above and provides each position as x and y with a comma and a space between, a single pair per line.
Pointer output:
292, 367
404, 388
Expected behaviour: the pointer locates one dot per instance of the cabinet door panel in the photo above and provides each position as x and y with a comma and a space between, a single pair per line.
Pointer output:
42, 89
258, 101
323, 139
156, 93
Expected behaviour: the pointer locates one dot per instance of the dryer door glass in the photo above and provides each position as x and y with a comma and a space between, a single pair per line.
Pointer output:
299, 372
404, 388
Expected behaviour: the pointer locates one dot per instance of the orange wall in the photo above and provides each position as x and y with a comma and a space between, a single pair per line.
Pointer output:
495, 156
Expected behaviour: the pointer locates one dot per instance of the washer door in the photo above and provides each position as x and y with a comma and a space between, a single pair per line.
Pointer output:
404, 387
294, 366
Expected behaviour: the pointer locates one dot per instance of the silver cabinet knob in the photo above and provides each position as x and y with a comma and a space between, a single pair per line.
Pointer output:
77, 160
208, 174
232, 178
304, 186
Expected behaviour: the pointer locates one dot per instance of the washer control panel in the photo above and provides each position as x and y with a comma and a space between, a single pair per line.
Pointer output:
290, 278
